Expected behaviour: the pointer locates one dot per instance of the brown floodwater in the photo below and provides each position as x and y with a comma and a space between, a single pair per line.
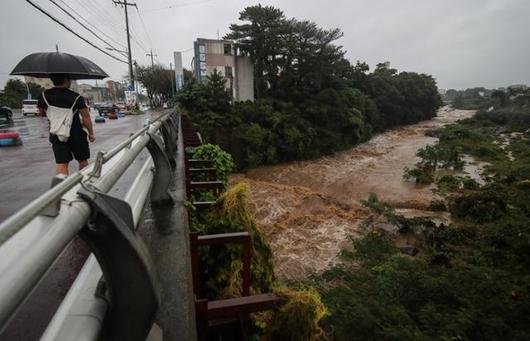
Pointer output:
309, 209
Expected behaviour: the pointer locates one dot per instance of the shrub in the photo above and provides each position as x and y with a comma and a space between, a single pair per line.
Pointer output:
222, 161
298, 319
481, 207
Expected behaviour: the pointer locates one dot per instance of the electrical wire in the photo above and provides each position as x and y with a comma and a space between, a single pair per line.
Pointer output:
144, 26
99, 13
176, 6
91, 24
86, 28
73, 32
133, 35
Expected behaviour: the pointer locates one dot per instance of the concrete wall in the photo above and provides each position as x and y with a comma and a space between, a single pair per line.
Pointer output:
244, 79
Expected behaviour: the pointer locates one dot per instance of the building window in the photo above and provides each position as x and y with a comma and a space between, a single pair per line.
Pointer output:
228, 72
228, 49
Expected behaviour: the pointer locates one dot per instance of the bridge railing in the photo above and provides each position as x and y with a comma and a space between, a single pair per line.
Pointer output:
123, 304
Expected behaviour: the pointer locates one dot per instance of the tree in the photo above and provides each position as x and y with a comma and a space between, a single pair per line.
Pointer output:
310, 99
14, 92
260, 38
158, 82
500, 96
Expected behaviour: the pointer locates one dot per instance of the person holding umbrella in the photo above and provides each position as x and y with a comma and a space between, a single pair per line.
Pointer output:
74, 144
70, 124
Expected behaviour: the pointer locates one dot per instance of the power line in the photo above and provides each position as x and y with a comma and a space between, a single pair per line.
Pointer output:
99, 13
136, 41
89, 23
73, 32
84, 26
144, 26
176, 6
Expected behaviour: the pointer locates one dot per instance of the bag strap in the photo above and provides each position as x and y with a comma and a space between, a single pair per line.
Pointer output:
73, 105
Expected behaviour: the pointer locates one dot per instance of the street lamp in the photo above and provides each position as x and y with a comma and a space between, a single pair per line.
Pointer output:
29, 93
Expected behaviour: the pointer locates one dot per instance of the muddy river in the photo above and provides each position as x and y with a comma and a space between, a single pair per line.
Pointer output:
309, 209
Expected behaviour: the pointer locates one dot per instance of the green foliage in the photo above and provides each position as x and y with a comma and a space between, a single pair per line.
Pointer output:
433, 157
449, 183
15, 91
481, 207
220, 269
422, 176
374, 203
298, 319
471, 99
221, 265
310, 100
470, 282
158, 82
221, 160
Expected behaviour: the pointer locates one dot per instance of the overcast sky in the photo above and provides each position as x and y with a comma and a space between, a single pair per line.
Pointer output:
462, 43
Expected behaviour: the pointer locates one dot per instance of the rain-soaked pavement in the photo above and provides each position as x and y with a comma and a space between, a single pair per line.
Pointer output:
25, 173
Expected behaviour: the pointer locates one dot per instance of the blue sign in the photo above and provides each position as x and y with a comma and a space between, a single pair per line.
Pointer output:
130, 87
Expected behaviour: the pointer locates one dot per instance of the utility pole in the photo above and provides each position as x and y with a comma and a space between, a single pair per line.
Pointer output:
125, 4
152, 55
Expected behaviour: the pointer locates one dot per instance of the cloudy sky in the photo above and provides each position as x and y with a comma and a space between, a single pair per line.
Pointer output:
462, 43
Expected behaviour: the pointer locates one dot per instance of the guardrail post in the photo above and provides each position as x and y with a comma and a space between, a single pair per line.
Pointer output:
129, 279
52, 210
163, 171
170, 141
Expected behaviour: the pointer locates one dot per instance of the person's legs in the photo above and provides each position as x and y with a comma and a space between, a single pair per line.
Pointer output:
61, 168
83, 164
79, 146
62, 154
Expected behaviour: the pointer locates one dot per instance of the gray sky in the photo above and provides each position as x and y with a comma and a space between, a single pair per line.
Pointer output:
462, 43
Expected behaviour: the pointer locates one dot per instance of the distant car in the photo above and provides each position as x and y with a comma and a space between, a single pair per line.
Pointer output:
29, 106
6, 114
106, 109
97, 105
99, 119
112, 115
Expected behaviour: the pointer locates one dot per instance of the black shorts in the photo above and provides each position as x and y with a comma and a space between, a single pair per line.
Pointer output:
75, 147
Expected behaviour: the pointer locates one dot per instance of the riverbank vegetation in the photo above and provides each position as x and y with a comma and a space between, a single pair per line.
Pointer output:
221, 266
310, 100
515, 98
467, 280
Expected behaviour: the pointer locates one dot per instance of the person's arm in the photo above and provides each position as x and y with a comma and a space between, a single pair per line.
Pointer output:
87, 122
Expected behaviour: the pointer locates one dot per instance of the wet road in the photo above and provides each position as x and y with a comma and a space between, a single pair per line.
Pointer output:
25, 173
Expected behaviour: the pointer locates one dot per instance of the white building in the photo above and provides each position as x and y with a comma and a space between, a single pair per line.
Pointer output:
220, 55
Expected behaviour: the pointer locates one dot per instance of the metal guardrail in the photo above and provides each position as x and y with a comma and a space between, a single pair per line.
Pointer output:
30, 241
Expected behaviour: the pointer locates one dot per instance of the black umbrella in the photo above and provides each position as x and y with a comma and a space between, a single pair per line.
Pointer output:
44, 64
